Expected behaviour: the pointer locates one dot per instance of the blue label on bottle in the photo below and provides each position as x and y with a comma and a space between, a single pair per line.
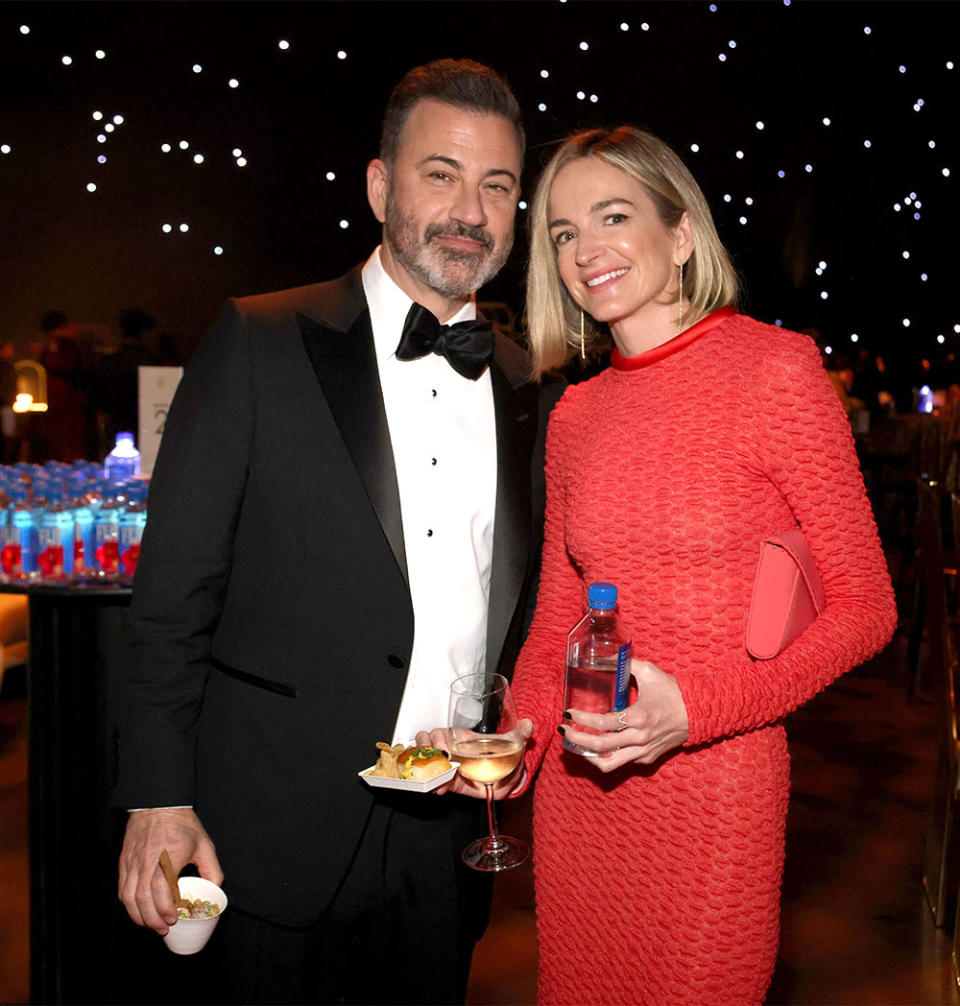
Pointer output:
623, 677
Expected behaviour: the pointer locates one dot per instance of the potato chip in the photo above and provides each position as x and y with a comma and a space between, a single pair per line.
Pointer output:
387, 762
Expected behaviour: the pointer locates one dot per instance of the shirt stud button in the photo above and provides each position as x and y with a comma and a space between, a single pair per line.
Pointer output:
433, 461
429, 532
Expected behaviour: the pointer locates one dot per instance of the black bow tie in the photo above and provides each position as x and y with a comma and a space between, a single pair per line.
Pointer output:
466, 346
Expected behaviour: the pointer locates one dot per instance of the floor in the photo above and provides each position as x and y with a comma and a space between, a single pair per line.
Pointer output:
855, 925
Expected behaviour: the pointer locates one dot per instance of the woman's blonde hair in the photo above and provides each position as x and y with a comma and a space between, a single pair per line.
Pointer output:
710, 281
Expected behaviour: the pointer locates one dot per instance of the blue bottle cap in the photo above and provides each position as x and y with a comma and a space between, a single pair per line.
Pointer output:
602, 596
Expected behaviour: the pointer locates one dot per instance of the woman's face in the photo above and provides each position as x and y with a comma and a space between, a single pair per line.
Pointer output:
616, 258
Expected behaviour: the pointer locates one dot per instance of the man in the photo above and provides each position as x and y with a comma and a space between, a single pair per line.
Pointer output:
335, 533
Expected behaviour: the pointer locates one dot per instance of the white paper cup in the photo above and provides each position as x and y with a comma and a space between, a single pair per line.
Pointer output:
189, 936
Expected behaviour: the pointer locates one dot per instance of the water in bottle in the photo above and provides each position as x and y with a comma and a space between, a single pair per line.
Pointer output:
598, 661
55, 537
131, 524
123, 462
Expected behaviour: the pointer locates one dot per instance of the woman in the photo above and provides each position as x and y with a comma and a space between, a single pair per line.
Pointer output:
658, 861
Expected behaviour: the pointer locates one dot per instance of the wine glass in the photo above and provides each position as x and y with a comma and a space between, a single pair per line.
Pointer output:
486, 740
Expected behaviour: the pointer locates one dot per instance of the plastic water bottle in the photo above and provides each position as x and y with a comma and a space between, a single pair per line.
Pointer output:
56, 538
83, 530
19, 556
131, 524
123, 462
598, 661
106, 537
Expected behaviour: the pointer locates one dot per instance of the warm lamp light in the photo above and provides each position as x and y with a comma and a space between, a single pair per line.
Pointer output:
31, 387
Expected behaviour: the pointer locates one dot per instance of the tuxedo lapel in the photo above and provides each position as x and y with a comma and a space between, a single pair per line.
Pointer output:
346, 367
516, 419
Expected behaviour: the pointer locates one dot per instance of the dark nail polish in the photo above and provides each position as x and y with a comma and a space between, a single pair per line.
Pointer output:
560, 731
567, 714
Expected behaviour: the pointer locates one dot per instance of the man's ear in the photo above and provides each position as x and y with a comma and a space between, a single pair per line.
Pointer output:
378, 180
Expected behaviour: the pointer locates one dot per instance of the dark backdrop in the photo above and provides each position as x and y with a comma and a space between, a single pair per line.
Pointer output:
301, 112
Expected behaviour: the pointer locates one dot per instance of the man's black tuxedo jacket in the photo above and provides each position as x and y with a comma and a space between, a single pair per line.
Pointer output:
271, 622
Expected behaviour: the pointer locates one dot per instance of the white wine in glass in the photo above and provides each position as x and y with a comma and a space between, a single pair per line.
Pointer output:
486, 740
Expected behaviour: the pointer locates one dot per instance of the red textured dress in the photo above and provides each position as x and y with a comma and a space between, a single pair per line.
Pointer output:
660, 885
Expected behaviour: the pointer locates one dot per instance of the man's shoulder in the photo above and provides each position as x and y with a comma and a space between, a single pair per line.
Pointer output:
336, 301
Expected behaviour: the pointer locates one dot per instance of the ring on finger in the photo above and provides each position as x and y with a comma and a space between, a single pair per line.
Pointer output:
622, 720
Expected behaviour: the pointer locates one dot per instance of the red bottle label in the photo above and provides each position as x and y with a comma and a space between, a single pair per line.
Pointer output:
10, 559
107, 556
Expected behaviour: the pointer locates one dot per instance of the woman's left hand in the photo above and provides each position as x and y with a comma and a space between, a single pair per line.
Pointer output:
655, 723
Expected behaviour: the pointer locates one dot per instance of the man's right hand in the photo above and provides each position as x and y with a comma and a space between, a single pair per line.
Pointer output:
143, 889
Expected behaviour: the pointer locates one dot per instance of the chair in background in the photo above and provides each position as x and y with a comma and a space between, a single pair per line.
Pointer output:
14, 632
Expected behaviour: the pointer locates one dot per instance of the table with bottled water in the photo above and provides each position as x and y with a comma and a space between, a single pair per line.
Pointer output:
70, 541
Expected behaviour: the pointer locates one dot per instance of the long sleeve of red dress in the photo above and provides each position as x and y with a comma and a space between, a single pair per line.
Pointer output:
663, 479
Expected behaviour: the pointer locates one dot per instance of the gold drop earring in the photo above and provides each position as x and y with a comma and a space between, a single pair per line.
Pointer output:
583, 347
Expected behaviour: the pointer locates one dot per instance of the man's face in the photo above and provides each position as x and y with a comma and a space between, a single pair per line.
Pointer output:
447, 201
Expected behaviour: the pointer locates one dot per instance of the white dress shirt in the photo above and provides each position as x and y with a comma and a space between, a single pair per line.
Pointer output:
443, 433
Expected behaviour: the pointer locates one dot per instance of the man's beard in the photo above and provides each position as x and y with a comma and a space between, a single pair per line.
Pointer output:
451, 272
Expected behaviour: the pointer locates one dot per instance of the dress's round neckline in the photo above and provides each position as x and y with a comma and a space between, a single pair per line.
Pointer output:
674, 345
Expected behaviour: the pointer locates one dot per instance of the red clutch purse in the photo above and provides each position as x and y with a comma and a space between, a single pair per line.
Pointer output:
787, 595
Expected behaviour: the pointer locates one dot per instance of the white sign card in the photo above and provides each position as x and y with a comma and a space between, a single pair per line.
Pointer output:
156, 387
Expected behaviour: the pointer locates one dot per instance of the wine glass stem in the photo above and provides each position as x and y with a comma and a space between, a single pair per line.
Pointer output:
494, 839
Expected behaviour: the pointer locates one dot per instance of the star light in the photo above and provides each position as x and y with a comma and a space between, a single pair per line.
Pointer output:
522, 205
342, 54
330, 176
109, 127
542, 107
624, 26
233, 82
854, 337
184, 228
184, 144
97, 116
101, 159
759, 124
91, 186
217, 250
166, 228
544, 74
5, 148
66, 60
644, 26
100, 54
166, 148
24, 29
695, 147
584, 46
198, 158
282, 44
101, 138
118, 119
344, 224
197, 68
241, 162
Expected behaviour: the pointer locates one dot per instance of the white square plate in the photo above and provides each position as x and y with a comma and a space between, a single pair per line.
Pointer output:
408, 785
